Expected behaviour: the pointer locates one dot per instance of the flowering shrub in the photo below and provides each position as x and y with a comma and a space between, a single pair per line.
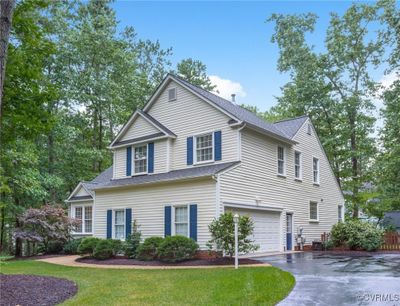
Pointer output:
357, 235
45, 224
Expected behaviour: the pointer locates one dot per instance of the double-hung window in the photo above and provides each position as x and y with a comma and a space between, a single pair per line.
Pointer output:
314, 211
78, 216
140, 160
181, 221
297, 165
204, 149
315, 170
83, 214
281, 161
119, 224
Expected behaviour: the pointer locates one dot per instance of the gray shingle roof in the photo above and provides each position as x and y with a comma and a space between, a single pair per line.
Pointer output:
143, 138
104, 181
235, 110
80, 198
291, 126
156, 123
392, 218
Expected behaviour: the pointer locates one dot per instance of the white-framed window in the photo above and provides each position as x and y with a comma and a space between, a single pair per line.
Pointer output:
204, 148
340, 213
297, 165
140, 159
315, 170
88, 218
83, 213
119, 224
181, 220
281, 161
314, 211
172, 94
78, 216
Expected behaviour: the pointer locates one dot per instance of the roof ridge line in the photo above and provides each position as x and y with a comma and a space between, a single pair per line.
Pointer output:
289, 119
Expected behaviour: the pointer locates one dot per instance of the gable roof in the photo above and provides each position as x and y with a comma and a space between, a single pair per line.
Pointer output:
291, 126
103, 177
241, 114
164, 131
183, 174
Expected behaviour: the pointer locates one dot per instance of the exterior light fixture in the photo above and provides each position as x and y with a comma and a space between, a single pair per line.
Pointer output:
236, 222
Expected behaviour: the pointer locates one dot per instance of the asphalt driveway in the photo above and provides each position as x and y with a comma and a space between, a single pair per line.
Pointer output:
323, 279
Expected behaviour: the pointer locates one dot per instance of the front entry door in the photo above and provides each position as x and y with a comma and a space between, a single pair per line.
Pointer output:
289, 218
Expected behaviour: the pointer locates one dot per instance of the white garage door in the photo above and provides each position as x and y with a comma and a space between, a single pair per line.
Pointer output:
266, 228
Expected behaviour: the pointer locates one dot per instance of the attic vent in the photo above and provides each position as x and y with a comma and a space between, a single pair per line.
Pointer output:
172, 94
309, 129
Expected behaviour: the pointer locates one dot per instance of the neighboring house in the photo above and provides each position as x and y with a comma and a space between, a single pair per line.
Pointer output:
392, 219
190, 155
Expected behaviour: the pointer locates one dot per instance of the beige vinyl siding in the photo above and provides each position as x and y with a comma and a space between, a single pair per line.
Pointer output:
160, 159
120, 163
189, 115
257, 177
139, 128
82, 192
148, 202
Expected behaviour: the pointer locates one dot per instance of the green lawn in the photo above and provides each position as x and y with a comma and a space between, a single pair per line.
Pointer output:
222, 286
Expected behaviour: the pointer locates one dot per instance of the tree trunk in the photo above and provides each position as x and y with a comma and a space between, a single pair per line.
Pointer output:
354, 165
3, 212
6, 11
50, 143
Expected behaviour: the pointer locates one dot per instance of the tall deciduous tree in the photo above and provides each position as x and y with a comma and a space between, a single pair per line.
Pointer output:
195, 72
334, 86
6, 11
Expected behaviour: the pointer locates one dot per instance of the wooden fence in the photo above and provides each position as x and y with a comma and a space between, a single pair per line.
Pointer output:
391, 242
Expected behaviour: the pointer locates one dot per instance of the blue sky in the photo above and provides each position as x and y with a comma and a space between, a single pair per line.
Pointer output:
231, 38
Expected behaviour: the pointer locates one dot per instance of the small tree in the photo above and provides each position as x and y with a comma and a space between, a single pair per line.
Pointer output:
45, 224
133, 241
223, 236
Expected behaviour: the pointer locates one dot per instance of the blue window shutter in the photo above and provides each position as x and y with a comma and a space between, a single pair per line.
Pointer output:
189, 146
150, 168
193, 221
128, 161
167, 221
128, 222
109, 223
217, 145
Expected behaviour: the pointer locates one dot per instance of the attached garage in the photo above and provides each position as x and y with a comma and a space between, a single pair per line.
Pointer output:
267, 227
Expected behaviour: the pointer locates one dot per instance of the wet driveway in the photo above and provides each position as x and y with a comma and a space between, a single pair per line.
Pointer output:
323, 279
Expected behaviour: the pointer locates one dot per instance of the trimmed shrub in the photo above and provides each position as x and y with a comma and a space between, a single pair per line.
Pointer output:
117, 246
177, 248
357, 235
223, 238
148, 250
54, 247
132, 242
71, 247
104, 249
88, 245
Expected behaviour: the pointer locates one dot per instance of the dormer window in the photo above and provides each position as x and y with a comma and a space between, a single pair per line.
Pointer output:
204, 148
172, 94
140, 160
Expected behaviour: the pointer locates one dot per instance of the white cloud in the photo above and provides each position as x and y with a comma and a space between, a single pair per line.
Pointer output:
387, 80
227, 87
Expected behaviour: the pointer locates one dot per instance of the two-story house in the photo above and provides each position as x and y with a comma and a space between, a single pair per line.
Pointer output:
189, 155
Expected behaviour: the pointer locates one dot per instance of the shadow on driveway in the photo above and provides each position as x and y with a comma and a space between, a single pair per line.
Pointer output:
324, 279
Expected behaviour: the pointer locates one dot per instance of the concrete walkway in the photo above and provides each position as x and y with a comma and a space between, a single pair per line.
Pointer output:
70, 261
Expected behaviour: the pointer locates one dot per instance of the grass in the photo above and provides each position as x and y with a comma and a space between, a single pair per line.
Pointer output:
220, 286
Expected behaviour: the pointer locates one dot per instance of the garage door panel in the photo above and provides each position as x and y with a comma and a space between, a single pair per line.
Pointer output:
266, 228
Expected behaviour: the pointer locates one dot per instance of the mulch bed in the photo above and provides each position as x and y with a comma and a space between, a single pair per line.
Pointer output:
26, 290
224, 261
